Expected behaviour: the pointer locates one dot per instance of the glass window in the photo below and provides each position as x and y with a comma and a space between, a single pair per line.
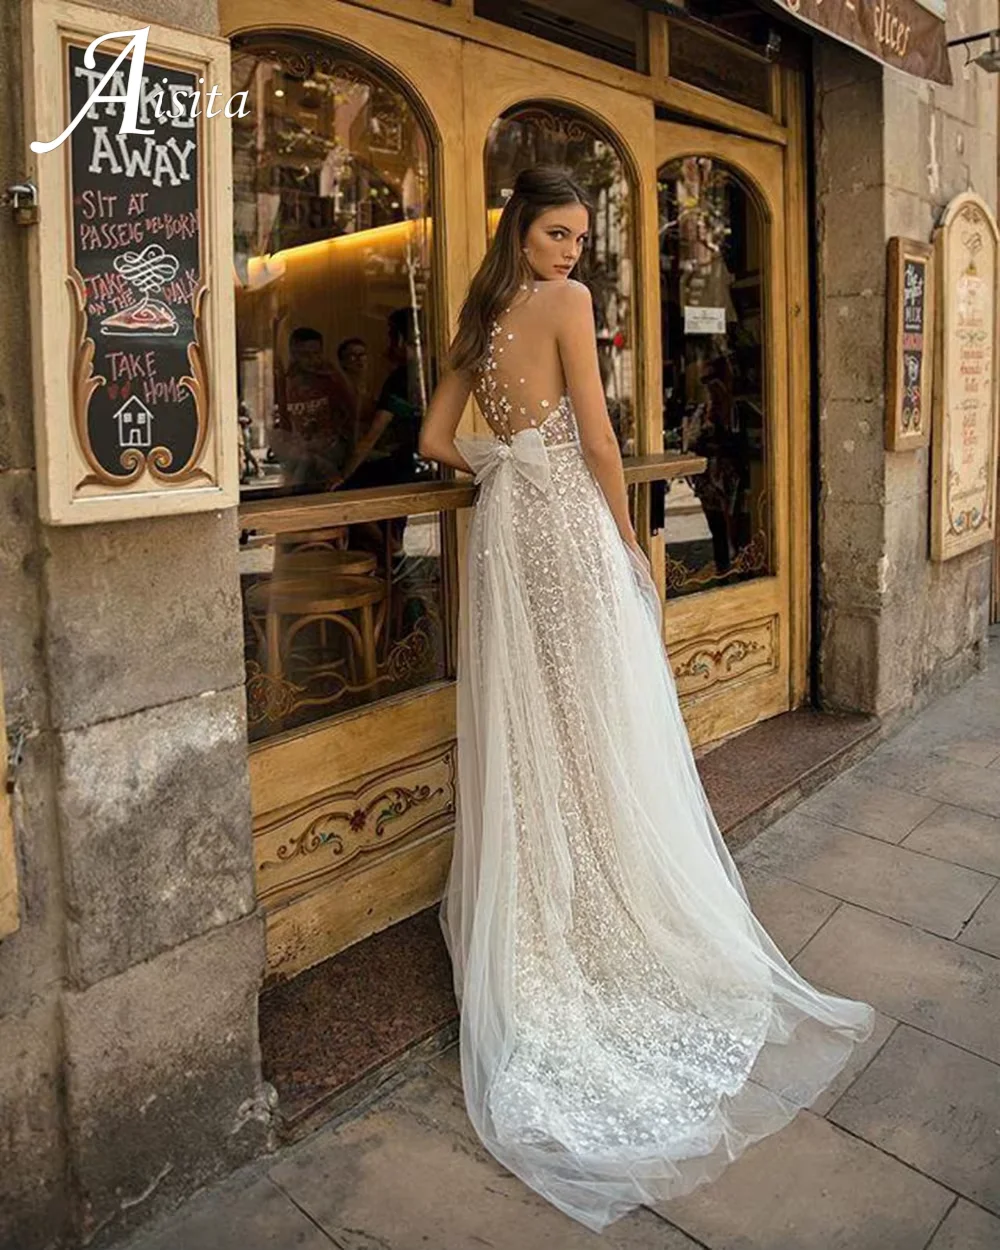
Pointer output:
339, 617
542, 133
700, 57
713, 245
336, 337
333, 213
615, 33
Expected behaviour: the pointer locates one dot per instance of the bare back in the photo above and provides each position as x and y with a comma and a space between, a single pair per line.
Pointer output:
522, 384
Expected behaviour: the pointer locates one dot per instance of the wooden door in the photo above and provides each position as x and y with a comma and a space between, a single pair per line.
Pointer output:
734, 543
346, 217
580, 123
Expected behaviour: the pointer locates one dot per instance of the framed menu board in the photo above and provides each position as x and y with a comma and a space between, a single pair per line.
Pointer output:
910, 347
964, 443
132, 308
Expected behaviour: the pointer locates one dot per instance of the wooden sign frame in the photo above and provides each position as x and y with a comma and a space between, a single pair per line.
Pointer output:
964, 441
135, 474
909, 348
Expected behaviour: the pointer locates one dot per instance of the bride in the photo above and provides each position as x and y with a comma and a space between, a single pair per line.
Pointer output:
628, 1028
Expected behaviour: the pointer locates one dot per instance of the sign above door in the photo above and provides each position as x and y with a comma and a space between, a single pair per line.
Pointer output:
909, 35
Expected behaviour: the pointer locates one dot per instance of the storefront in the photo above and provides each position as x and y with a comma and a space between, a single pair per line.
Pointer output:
377, 152
235, 725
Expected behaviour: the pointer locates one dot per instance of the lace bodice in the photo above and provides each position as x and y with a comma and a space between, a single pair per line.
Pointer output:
513, 397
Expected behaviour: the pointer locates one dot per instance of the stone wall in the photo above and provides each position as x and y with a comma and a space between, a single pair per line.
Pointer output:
891, 151
128, 998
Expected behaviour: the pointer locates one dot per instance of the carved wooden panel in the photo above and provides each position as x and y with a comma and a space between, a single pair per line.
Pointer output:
749, 648
342, 829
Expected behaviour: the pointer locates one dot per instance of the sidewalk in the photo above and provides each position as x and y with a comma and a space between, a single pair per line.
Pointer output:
883, 885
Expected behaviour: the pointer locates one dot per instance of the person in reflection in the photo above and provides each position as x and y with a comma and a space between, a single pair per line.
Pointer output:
352, 356
314, 414
720, 487
386, 450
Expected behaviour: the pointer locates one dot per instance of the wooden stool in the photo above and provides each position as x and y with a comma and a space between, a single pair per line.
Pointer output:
331, 539
317, 599
291, 563
315, 562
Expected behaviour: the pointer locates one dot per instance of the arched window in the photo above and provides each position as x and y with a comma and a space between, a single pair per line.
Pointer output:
539, 133
337, 333
713, 248
333, 205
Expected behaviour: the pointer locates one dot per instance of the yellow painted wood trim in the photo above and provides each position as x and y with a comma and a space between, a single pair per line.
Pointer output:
375, 503
335, 19
799, 386
283, 769
311, 928
662, 466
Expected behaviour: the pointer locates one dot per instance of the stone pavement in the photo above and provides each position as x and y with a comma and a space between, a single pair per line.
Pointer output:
883, 885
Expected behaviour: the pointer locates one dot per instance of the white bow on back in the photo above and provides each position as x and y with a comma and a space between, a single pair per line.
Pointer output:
526, 453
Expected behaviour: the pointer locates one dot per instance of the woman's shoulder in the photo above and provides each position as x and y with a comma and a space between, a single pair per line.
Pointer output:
563, 289
566, 297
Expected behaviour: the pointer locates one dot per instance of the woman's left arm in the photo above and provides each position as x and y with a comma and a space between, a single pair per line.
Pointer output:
437, 432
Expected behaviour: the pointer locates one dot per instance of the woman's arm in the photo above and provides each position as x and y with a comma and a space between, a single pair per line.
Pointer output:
577, 340
437, 432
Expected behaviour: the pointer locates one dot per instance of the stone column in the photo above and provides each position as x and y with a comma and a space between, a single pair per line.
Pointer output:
891, 151
130, 1068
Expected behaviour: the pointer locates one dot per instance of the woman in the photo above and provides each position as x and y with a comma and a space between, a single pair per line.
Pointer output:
627, 1026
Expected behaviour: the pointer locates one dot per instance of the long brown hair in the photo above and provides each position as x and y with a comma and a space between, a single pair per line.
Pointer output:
504, 267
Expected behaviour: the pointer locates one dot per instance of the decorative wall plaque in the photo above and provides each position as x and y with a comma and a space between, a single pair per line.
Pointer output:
964, 443
133, 304
910, 345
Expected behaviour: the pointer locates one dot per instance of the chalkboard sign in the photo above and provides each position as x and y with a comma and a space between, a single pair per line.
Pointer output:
130, 266
138, 276
910, 346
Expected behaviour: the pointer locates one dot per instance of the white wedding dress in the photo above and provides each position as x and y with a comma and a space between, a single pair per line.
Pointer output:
627, 1025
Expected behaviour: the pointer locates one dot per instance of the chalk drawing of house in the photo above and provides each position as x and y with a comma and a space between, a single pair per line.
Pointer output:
135, 423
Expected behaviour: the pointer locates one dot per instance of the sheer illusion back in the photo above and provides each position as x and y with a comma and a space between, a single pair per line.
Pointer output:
627, 1025
521, 385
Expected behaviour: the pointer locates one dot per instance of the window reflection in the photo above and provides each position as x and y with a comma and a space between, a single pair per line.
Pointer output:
333, 256
545, 134
333, 249
712, 247
339, 617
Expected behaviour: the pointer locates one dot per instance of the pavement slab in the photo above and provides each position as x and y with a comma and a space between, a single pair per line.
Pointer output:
982, 932
867, 807
935, 1107
791, 913
959, 836
897, 882
967, 1228
246, 1212
411, 1174
935, 985
858, 1062
813, 1187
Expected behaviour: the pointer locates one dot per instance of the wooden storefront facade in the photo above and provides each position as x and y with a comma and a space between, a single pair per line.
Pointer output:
383, 138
